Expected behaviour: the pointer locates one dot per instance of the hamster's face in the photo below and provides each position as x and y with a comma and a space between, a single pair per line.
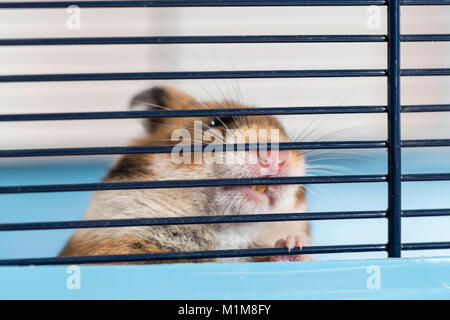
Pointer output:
218, 163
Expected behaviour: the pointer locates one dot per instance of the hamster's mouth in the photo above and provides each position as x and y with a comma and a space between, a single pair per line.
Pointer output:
259, 194
259, 189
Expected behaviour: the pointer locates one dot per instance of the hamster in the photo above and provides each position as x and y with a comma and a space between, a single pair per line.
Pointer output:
208, 201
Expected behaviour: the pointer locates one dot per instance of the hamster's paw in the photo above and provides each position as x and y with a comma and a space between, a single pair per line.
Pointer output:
290, 243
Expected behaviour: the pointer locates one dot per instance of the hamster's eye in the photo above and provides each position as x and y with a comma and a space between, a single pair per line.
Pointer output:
222, 121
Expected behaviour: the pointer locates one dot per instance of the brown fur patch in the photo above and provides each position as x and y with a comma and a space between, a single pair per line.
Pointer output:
300, 195
117, 246
261, 259
130, 166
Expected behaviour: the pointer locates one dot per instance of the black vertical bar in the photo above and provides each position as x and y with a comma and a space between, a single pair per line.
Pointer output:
394, 135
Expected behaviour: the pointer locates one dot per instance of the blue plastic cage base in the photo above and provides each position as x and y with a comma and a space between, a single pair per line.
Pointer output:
425, 278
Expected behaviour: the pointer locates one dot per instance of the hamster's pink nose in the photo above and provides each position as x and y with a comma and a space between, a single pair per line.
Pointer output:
272, 162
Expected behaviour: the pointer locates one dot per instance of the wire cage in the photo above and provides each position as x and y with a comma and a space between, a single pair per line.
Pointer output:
394, 144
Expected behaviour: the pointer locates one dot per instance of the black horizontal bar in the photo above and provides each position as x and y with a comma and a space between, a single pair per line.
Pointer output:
218, 183
426, 213
193, 148
192, 220
193, 39
218, 39
424, 72
211, 254
248, 74
426, 246
187, 3
195, 255
424, 37
56, 152
426, 143
215, 112
208, 3
427, 108
194, 75
426, 177
191, 183
425, 2
191, 113
308, 216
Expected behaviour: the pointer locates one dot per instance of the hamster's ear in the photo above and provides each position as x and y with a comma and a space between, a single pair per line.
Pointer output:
161, 98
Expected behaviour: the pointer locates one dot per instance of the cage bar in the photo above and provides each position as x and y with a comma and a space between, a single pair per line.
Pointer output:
394, 135
209, 3
188, 3
88, 151
217, 112
195, 255
193, 40
308, 216
193, 113
191, 75
220, 39
192, 220
192, 183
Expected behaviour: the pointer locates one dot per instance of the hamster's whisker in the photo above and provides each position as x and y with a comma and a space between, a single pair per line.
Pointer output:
349, 157
301, 136
325, 166
306, 129
228, 104
161, 107
235, 83
184, 120
366, 155
326, 159
170, 140
369, 163
213, 99
197, 106
168, 125
311, 191
238, 92
315, 171
330, 135
339, 131
150, 104
215, 136
318, 123
201, 106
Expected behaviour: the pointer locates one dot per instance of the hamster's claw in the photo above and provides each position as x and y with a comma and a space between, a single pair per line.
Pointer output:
289, 243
